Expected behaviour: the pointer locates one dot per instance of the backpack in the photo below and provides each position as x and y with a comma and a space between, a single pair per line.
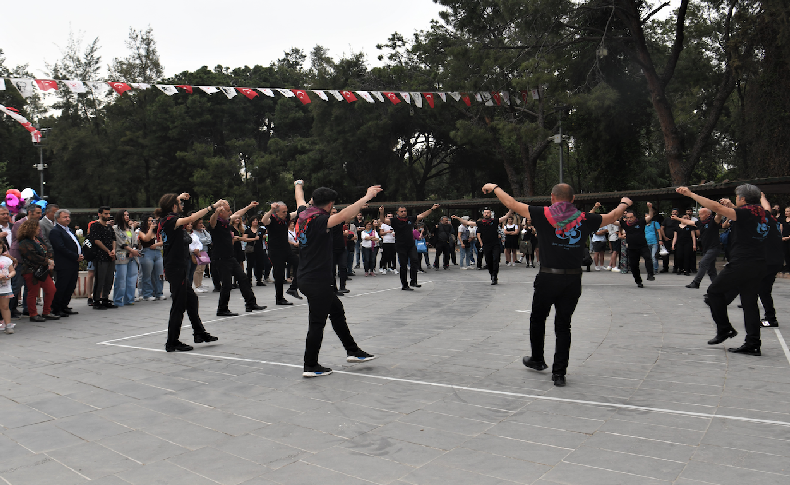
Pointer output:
88, 250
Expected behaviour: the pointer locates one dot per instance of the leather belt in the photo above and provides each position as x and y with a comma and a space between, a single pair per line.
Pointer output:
543, 269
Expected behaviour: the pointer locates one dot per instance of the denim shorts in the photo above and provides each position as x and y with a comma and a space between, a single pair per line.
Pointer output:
90, 266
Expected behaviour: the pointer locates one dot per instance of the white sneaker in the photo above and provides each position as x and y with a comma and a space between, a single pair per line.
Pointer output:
9, 328
597, 268
607, 268
382, 271
615, 270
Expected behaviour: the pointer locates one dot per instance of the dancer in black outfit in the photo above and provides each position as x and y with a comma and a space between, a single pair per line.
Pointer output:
176, 256
315, 238
280, 253
634, 229
488, 233
224, 261
403, 224
684, 243
562, 230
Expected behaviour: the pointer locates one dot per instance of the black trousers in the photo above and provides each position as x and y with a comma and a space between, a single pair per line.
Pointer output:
407, 258
442, 249
387, 256
562, 291
322, 302
279, 262
229, 269
492, 253
183, 298
743, 278
634, 253
65, 282
340, 267
684, 256
259, 263
104, 275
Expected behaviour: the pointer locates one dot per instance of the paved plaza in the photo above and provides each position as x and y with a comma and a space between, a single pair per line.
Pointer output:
95, 398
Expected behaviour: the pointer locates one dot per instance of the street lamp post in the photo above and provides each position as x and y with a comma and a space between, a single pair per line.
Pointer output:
560, 109
40, 166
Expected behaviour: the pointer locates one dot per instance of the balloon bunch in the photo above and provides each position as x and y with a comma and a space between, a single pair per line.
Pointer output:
16, 200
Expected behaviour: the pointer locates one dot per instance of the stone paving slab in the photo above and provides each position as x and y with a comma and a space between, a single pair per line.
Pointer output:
94, 398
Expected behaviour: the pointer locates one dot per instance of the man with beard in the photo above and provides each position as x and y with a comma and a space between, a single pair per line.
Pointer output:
562, 230
488, 234
404, 225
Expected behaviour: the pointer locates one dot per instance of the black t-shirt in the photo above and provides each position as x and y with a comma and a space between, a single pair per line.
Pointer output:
338, 239
684, 234
488, 229
404, 231
175, 244
563, 249
670, 227
315, 250
106, 235
774, 255
350, 241
747, 235
634, 234
708, 234
278, 235
221, 240
785, 227
258, 245
443, 232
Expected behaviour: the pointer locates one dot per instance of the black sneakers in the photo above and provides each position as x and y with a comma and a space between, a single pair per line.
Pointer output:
651, 278
769, 323
721, 338
294, 294
359, 356
559, 380
534, 364
204, 337
692, 285
316, 371
255, 307
178, 347
226, 313
283, 301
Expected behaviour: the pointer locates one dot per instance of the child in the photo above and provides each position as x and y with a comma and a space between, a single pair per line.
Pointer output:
7, 271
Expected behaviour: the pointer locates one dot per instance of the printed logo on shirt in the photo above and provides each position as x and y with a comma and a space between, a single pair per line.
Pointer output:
573, 236
762, 230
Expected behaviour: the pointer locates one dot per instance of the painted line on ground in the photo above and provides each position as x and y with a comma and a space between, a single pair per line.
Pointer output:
783, 344
247, 314
486, 391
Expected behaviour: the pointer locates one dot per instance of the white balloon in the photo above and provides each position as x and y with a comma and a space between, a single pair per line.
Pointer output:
28, 193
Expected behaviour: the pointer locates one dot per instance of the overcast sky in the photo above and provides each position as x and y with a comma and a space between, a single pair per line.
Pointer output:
202, 33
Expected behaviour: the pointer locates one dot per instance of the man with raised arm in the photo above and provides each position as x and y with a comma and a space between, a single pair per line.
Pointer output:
223, 260
749, 228
634, 229
314, 233
276, 221
708, 227
488, 235
562, 230
403, 224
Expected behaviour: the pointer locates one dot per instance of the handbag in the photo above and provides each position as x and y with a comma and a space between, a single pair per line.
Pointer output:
41, 273
421, 246
88, 250
663, 251
202, 258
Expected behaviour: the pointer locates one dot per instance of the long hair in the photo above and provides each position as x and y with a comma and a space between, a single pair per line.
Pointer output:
144, 227
120, 220
166, 204
29, 230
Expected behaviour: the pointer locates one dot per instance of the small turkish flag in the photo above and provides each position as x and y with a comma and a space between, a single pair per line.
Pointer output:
349, 96
47, 84
247, 92
120, 88
185, 88
429, 98
497, 97
524, 95
392, 97
302, 95
467, 100
12, 109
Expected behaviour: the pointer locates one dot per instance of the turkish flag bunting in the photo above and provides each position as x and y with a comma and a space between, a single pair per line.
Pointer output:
524, 95
429, 98
185, 88
47, 84
392, 97
120, 88
302, 95
349, 96
497, 97
247, 92
466, 100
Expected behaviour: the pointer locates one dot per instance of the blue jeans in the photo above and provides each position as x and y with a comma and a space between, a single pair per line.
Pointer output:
466, 254
654, 255
151, 267
191, 267
125, 283
350, 262
358, 251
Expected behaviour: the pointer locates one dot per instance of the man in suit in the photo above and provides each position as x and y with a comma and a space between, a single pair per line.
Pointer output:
47, 222
68, 254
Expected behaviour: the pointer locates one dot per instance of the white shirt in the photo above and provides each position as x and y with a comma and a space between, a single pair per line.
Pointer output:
368, 243
6, 265
613, 230
387, 238
472, 232
291, 236
76, 241
195, 244
7, 230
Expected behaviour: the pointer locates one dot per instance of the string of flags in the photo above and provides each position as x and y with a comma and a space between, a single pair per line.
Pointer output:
28, 87
14, 114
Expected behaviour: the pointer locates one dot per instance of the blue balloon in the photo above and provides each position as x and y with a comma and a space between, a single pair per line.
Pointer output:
41, 203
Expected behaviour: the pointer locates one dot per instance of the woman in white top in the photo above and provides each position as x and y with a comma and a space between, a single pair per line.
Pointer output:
204, 237
194, 251
7, 271
370, 246
511, 231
